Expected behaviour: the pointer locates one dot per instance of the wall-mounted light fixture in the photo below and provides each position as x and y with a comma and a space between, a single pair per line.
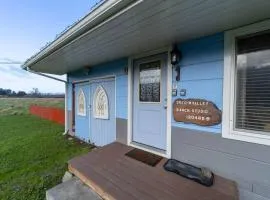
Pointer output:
126, 70
86, 70
175, 59
175, 55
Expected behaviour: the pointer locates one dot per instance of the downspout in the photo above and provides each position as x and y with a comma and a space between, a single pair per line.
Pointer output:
66, 92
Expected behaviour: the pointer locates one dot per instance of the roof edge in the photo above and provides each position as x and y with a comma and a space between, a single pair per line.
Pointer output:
99, 14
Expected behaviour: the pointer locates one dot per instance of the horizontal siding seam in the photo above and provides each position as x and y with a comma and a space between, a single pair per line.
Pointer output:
205, 79
257, 195
214, 39
217, 37
177, 125
203, 62
120, 118
121, 82
230, 154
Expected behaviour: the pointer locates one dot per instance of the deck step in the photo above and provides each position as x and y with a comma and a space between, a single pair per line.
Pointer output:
115, 176
74, 189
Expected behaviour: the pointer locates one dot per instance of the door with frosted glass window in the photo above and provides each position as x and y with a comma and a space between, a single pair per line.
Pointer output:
149, 101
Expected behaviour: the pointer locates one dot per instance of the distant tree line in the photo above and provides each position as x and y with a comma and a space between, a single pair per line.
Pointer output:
34, 93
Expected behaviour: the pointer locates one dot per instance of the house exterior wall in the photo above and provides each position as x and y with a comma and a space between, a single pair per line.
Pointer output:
114, 68
202, 76
202, 66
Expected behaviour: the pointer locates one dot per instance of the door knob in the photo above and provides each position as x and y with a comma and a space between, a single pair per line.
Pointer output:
165, 103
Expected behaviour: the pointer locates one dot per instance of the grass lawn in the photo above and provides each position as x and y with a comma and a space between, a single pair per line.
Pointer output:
33, 154
19, 106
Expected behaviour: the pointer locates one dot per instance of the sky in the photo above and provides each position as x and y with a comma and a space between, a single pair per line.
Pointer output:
25, 27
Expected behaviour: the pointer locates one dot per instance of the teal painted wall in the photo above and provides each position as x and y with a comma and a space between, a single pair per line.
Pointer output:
202, 74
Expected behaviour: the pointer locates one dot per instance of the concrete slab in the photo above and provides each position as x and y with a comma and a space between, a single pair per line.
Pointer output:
73, 189
67, 176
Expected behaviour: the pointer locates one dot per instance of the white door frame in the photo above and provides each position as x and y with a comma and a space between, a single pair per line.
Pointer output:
167, 50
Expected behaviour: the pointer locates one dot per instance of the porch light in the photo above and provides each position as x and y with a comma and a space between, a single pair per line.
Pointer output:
86, 70
175, 58
175, 55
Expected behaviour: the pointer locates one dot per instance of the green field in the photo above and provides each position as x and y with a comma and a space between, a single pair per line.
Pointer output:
33, 152
19, 106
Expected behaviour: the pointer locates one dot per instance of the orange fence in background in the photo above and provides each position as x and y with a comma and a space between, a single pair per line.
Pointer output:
54, 114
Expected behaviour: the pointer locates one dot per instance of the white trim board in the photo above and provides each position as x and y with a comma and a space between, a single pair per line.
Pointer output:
167, 153
66, 108
130, 100
228, 130
169, 104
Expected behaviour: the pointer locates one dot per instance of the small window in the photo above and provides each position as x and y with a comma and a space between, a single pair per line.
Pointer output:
101, 104
150, 74
81, 110
246, 92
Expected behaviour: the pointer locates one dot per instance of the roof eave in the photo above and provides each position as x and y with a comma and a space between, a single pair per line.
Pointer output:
95, 17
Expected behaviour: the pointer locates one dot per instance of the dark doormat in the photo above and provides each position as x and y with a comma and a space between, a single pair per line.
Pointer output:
145, 157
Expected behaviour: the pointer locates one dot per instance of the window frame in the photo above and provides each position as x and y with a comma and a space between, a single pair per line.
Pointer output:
81, 92
98, 90
229, 84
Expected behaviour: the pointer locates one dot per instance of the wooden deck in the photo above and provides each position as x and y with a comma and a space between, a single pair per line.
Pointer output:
115, 176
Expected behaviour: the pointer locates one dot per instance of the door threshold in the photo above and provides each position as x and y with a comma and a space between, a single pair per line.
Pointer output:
150, 149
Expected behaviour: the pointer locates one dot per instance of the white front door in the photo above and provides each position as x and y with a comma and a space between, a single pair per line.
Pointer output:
150, 101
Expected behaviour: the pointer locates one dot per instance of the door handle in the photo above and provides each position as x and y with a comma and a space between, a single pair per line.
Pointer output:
165, 104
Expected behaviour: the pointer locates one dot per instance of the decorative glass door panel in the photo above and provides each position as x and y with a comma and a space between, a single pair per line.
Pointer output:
150, 76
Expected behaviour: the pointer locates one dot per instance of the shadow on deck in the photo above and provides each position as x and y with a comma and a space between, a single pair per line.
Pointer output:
115, 176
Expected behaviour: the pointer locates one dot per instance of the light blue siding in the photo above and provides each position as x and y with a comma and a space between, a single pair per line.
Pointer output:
103, 131
209, 70
202, 74
116, 68
69, 95
202, 50
121, 96
82, 122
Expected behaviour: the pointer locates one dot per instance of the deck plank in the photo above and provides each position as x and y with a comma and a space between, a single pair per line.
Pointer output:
104, 186
126, 172
115, 176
